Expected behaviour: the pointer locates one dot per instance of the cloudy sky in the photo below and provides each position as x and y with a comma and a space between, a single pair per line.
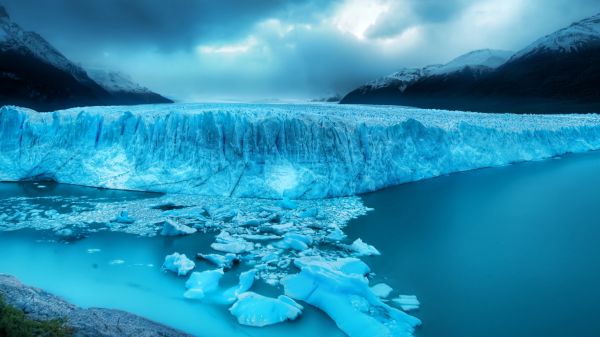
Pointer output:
208, 50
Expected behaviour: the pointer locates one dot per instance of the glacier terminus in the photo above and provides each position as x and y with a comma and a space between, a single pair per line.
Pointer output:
292, 151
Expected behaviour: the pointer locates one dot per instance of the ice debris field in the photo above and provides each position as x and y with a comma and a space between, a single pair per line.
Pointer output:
301, 151
297, 246
271, 183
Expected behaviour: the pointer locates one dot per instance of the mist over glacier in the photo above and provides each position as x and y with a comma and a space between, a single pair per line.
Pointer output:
300, 151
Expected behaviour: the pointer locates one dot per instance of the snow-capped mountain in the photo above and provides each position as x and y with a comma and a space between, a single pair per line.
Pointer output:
559, 73
115, 82
13, 38
122, 87
569, 39
35, 74
481, 59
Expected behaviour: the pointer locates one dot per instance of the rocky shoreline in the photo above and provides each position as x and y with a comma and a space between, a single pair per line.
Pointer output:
40, 305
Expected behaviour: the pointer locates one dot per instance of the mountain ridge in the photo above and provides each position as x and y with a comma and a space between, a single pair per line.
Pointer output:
548, 76
35, 74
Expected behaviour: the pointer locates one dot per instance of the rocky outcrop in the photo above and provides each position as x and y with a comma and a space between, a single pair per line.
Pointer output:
92, 322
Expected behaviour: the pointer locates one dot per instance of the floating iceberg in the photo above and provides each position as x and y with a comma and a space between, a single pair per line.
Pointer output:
341, 290
407, 302
270, 151
381, 290
173, 228
363, 249
178, 263
201, 283
286, 203
246, 281
225, 242
294, 241
336, 234
223, 261
257, 310
124, 218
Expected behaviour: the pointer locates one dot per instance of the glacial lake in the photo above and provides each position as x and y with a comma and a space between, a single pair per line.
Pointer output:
497, 252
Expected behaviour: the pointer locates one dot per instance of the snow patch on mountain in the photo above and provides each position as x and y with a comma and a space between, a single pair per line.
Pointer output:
488, 58
566, 40
13, 37
116, 82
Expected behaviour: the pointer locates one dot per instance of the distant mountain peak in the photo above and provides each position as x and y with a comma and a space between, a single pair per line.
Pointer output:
571, 38
35, 74
491, 58
481, 58
558, 73
114, 81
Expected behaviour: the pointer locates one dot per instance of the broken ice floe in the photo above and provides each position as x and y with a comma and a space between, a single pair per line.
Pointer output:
407, 302
381, 290
124, 218
258, 310
201, 283
178, 263
362, 249
223, 261
271, 237
173, 228
341, 290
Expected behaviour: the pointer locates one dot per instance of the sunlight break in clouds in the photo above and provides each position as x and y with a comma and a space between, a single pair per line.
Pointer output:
356, 16
242, 47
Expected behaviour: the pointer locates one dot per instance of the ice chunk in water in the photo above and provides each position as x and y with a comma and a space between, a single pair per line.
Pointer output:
294, 241
258, 310
310, 213
340, 289
201, 283
123, 217
229, 244
381, 290
407, 302
363, 249
224, 261
336, 235
287, 203
246, 281
173, 228
178, 263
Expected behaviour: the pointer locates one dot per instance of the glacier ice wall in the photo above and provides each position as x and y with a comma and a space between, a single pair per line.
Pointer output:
273, 150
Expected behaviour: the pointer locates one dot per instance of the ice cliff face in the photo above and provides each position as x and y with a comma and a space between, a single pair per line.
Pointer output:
270, 151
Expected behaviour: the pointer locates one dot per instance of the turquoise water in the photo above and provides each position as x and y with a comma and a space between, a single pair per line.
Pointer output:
123, 271
509, 251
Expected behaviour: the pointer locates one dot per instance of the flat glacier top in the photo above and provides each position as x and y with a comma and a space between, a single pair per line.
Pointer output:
348, 114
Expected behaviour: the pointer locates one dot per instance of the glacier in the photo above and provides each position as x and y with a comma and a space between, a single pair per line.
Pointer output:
291, 151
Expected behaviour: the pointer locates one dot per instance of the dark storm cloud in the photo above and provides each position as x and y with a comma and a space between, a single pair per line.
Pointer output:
165, 24
206, 49
403, 14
